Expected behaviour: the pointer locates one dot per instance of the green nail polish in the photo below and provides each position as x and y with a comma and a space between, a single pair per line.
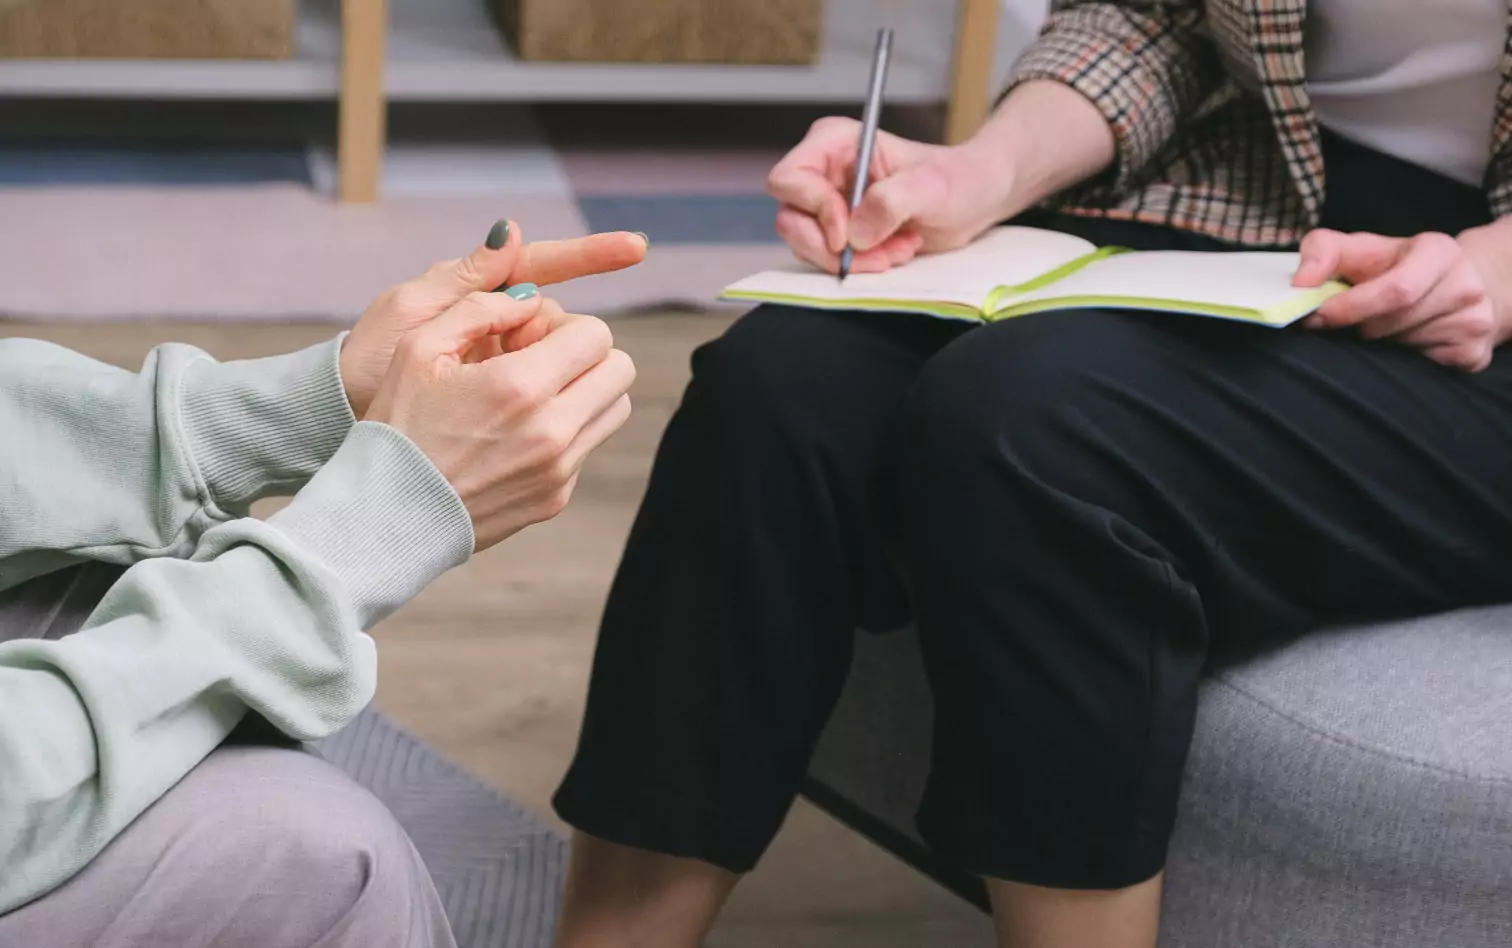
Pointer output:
523, 292
645, 238
498, 237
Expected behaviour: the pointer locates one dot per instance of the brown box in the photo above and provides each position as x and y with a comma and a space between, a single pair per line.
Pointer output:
147, 29
663, 31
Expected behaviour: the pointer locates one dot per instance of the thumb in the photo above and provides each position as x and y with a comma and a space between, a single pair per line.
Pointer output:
892, 203
488, 267
1320, 253
478, 316
1353, 258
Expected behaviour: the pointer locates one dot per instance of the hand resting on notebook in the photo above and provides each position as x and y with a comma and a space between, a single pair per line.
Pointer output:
1442, 294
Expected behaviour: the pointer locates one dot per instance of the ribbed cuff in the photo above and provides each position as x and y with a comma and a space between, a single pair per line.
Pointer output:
260, 426
382, 518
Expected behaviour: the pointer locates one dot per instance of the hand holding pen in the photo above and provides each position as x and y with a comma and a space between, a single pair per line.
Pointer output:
905, 198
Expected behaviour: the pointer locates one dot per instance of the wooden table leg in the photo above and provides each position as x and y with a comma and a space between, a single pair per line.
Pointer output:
363, 107
971, 69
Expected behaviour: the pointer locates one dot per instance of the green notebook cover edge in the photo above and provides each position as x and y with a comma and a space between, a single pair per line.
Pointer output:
929, 308
1292, 309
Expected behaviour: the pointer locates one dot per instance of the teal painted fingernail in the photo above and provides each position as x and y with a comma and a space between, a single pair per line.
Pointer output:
523, 292
645, 238
498, 237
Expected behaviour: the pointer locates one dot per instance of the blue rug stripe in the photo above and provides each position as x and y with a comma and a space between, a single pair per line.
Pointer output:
28, 165
685, 218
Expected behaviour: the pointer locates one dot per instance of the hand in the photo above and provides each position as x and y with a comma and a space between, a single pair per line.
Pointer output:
509, 433
1428, 291
921, 198
366, 353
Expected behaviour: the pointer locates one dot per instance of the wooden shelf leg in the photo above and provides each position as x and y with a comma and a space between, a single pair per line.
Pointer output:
364, 106
971, 69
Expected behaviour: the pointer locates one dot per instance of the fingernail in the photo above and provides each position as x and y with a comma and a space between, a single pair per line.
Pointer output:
497, 237
645, 238
523, 292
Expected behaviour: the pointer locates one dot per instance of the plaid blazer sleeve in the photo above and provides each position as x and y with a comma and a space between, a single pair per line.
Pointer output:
1146, 64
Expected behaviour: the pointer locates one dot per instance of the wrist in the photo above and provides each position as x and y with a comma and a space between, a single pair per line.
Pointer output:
986, 165
1490, 251
1045, 137
359, 395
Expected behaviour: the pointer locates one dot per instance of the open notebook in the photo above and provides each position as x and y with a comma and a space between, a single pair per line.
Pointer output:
1012, 271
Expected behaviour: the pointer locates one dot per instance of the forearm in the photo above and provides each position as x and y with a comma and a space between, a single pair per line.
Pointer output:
268, 617
102, 463
1043, 138
1138, 69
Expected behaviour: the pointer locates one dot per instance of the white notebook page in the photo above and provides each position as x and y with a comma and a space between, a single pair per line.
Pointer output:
1004, 256
1251, 280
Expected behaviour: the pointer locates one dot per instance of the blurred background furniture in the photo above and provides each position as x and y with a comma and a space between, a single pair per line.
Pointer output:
1352, 790
770, 32
367, 53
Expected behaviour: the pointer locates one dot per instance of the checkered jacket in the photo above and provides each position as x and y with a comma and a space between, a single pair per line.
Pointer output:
1196, 151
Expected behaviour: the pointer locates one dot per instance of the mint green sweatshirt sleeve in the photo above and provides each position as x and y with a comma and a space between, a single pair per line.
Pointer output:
101, 463
220, 614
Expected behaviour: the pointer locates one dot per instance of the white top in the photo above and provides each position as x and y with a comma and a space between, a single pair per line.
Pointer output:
1416, 79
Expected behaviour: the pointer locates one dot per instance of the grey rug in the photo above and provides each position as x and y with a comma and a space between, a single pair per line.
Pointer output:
498, 868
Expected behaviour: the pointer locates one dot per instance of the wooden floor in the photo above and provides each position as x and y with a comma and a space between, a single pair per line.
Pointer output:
490, 664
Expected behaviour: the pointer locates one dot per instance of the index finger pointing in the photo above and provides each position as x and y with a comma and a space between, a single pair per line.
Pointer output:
558, 261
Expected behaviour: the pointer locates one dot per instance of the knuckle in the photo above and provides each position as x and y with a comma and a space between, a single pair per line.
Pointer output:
1469, 290
547, 443
621, 362
830, 125
515, 388
559, 471
1438, 243
467, 272
597, 335
556, 502
1480, 323
1397, 292
410, 298
1468, 358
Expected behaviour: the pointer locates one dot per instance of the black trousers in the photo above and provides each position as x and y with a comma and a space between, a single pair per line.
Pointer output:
1080, 511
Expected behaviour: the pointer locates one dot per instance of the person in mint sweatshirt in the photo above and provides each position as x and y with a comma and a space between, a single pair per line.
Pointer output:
448, 419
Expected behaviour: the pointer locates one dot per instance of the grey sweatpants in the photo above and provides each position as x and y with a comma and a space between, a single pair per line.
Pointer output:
263, 845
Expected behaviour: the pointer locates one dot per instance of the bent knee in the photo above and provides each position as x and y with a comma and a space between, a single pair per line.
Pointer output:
304, 837
786, 368
1033, 386
301, 810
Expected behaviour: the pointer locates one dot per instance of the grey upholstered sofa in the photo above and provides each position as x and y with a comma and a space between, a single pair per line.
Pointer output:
1351, 791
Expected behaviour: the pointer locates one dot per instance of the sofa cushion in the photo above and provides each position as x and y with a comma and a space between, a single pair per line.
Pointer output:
1353, 789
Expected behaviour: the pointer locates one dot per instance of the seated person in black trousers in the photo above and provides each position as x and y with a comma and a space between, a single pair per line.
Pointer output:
1079, 510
